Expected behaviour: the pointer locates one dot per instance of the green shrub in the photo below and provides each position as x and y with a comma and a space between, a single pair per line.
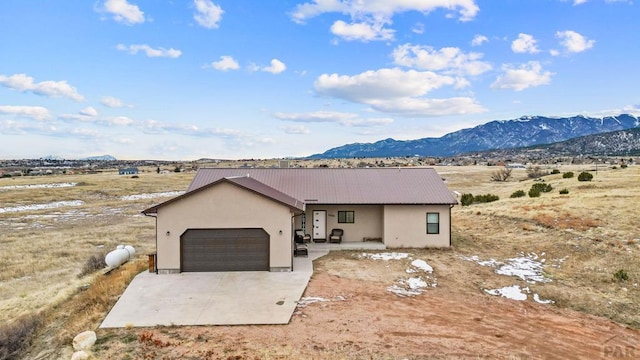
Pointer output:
564, 191
621, 275
16, 335
623, 166
466, 199
555, 171
517, 194
585, 176
485, 198
93, 263
533, 192
542, 187
567, 175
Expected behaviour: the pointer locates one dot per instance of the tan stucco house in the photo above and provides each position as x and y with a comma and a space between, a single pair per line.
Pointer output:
245, 219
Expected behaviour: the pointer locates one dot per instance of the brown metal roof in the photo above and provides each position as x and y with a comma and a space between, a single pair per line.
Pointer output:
265, 190
342, 186
242, 181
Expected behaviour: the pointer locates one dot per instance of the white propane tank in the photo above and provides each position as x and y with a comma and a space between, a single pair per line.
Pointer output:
119, 256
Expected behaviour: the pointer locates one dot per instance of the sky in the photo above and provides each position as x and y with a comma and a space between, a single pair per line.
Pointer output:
236, 79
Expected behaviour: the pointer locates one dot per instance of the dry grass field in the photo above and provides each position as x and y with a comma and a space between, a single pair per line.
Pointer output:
584, 237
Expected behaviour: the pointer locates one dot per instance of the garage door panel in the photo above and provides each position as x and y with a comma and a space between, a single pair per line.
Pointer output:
225, 250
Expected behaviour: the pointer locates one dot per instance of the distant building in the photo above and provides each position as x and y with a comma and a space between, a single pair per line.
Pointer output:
128, 171
516, 166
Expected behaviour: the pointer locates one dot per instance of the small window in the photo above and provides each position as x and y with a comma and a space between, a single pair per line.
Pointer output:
346, 217
433, 223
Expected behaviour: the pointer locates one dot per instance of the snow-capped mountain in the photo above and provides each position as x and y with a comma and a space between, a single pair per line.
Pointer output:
499, 134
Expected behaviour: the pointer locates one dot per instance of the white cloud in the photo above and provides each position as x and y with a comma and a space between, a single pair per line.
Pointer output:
574, 42
449, 59
33, 112
124, 12
85, 133
579, 2
380, 84
12, 127
118, 121
149, 51
89, 111
158, 127
418, 28
112, 102
86, 114
207, 14
554, 52
342, 118
467, 9
296, 130
276, 67
54, 89
419, 107
396, 91
479, 40
226, 63
525, 43
522, 77
361, 31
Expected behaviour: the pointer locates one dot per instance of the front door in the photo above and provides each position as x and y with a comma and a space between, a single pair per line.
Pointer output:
319, 225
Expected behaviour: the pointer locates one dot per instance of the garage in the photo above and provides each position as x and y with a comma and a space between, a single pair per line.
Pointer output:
224, 250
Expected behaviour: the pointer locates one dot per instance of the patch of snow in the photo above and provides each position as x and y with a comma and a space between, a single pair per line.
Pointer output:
33, 207
412, 286
401, 291
537, 299
39, 186
385, 256
151, 195
305, 301
509, 292
526, 267
416, 283
422, 265
476, 259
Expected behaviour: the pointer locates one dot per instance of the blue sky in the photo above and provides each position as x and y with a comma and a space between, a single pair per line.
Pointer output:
152, 79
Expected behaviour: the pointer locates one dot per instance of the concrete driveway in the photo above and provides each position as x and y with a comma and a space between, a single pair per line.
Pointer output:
223, 298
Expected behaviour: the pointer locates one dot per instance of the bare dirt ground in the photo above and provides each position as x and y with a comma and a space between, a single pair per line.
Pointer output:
586, 237
360, 319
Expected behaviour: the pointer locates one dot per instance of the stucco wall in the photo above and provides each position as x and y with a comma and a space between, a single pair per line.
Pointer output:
406, 226
367, 221
223, 206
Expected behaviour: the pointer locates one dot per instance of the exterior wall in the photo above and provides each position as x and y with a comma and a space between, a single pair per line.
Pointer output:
367, 221
223, 206
406, 226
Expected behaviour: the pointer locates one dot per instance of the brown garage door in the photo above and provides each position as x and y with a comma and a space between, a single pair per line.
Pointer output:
224, 250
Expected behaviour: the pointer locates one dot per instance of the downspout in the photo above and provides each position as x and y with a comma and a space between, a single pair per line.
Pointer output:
155, 261
450, 233
293, 233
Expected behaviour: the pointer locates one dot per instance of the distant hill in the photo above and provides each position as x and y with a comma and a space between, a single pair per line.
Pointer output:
615, 143
100, 158
498, 134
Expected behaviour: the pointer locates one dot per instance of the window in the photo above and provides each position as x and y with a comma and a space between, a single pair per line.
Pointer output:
433, 223
346, 217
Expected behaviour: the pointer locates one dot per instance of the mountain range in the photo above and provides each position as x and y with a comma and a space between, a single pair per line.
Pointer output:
615, 143
499, 134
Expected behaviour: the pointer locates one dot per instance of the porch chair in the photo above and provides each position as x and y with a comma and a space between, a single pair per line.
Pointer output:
336, 236
300, 250
300, 237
